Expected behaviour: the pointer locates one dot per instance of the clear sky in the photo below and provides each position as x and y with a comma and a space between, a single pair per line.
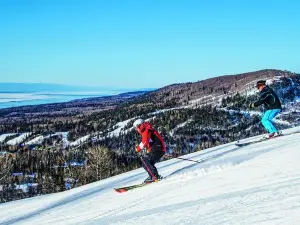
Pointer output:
145, 43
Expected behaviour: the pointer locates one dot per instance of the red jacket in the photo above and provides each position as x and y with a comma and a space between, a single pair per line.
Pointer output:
150, 138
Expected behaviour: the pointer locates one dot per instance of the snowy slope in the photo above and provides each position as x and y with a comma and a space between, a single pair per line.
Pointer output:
257, 184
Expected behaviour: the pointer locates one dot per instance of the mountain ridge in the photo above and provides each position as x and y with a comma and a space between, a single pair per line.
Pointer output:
87, 133
182, 93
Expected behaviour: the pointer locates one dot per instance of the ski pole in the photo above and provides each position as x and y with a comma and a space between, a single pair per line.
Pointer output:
148, 169
185, 159
188, 160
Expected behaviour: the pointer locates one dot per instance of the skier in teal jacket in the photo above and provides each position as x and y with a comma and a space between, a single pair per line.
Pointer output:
272, 105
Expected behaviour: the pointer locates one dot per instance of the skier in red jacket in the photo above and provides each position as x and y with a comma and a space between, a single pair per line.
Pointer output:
156, 148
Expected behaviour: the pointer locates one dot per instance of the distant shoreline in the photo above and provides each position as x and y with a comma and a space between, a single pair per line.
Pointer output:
73, 98
16, 99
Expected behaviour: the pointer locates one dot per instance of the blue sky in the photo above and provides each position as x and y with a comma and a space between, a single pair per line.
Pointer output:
143, 44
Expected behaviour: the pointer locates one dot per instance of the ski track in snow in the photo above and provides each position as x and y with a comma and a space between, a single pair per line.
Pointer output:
256, 184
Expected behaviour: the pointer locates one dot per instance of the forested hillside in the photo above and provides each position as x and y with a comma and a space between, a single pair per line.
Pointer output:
70, 146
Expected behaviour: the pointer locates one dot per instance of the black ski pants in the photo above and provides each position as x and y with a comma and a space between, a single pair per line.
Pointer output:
148, 162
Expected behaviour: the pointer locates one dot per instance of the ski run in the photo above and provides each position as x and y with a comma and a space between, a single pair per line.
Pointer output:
255, 184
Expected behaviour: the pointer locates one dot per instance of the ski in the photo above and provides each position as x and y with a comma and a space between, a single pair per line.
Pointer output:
251, 142
128, 188
124, 189
261, 140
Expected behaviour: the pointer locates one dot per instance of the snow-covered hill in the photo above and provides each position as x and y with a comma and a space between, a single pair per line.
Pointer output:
257, 184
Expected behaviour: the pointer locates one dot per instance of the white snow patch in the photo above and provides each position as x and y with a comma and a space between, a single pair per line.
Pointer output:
164, 110
19, 139
249, 92
80, 140
121, 125
24, 187
64, 138
119, 128
282, 122
178, 126
37, 140
4, 136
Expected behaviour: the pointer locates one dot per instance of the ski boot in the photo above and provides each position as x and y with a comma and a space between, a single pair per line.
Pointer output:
278, 133
158, 177
148, 180
153, 179
272, 135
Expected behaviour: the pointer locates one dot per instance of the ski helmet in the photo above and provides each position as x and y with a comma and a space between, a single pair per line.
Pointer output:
138, 122
260, 83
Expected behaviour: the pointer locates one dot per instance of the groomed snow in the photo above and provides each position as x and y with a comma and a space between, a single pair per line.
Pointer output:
257, 184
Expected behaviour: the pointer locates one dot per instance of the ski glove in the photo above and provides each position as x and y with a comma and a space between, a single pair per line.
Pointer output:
138, 152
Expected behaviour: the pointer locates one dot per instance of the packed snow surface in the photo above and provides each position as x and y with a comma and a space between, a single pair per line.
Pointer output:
256, 184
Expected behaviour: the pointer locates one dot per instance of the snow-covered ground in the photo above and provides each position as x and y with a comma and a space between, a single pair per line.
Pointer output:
178, 126
4, 136
80, 140
119, 127
37, 140
257, 184
18, 139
